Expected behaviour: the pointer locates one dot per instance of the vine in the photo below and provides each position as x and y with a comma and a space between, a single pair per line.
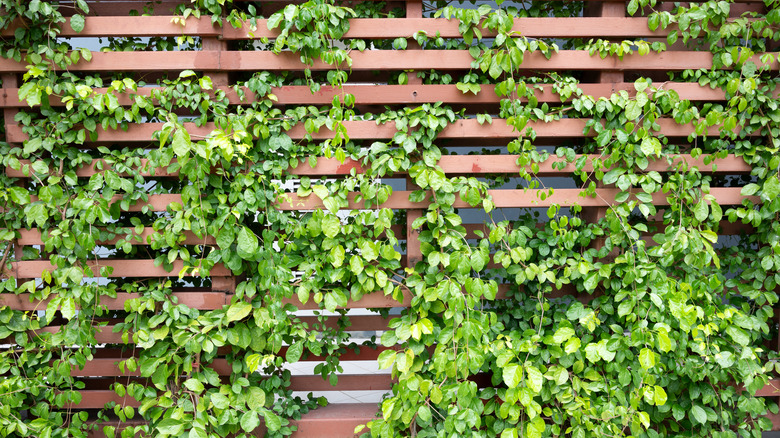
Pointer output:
645, 322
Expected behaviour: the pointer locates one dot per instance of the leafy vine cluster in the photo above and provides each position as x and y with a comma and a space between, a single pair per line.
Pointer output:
646, 322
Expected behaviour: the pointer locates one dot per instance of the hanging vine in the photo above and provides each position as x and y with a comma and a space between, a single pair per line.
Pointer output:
646, 322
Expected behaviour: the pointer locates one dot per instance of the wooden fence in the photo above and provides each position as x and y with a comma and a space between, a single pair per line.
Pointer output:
216, 58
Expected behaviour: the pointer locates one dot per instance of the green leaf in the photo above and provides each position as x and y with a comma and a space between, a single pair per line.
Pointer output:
535, 379
512, 375
170, 426
563, 334
332, 204
699, 414
647, 358
274, 20
478, 260
198, 432
181, 143
331, 225
225, 237
633, 5
738, 335
194, 385
633, 110
337, 254
281, 141
572, 345
386, 359
247, 244
220, 401
272, 420
650, 146
659, 396
249, 421
700, 211
68, 308
368, 250
424, 414
238, 311
749, 189
77, 23
255, 398
664, 343
771, 189
294, 352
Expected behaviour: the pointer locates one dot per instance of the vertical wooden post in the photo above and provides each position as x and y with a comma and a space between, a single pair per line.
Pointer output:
219, 79
605, 9
414, 10
413, 251
224, 284
215, 44
11, 81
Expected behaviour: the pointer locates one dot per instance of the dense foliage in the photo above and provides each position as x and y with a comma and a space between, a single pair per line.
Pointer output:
666, 339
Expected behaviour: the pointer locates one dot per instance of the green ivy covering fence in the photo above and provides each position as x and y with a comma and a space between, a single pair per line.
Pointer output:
573, 205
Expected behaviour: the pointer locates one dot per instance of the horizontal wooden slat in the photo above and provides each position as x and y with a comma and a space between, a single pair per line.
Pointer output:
97, 398
108, 366
214, 300
515, 198
543, 27
519, 198
332, 421
210, 301
364, 28
198, 300
33, 237
376, 60
771, 389
401, 94
335, 421
461, 165
461, 60
122, 268
462, 129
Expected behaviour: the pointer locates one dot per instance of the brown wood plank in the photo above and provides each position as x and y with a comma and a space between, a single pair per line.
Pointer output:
122, 268
502, 198
545, 27
376, 300
364, 28
212, 300
461, 60
369, 130
519, 198
347, 382
33, 237
771, 389
366, 94
199, 300
371, 60
334, 421
358, 323
140, 26
454, 165
97, 398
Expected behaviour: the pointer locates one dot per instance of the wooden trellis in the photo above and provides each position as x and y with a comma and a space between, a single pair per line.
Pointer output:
603, 20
